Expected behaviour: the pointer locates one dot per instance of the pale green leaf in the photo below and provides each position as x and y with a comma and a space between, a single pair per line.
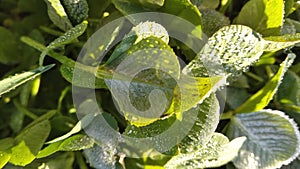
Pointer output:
275, 43
73, 143
217, 152
4, 158
29, 142
58, 15
86, 120
264, 16
273, 139
5, 152
262, 98
21, 154
191, 91
77, 10
231, 50
65, 39
10, 83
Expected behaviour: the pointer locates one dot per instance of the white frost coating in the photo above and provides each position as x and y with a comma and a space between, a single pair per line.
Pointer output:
296, 129
270, 147
146, 29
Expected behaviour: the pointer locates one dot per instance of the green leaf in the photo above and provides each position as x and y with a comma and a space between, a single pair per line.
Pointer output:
210, 4
236, 96
141, 31
288, 7
81, 77
152, 3
12, 82
191, 91
65, 39
97, 48
29, 143
264, 16
212, 21
288, 27
195, 127
73, 143
77, 10
58, 15
21, 154
231, 50
57, 161
275, 43
185, 10
289, 88
9, 52
217, 152
181, 8
101, 157
4, 158
293, 165
273, 139
262, 98
204, 125
127, 7
153, 67
5, 152
77, 128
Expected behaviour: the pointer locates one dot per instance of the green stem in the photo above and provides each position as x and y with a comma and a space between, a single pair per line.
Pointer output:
269, 71
51, 31
61, 58
23, 110
254, 76
80, 161
227, 115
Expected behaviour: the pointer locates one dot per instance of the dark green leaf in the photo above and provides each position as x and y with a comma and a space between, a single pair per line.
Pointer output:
212, 21
9, 51
77, 10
